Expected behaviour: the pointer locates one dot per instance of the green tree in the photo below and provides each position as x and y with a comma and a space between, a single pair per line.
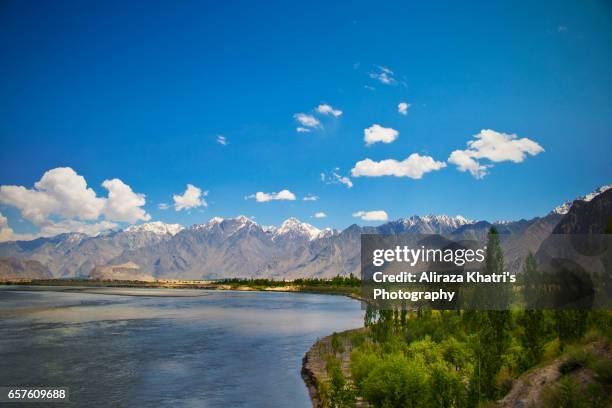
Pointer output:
533, 319
340, 393
398, 382
363, 361
570, 324
493, 329
447, 389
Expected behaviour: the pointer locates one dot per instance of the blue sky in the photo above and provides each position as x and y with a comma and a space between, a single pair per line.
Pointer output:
140, 92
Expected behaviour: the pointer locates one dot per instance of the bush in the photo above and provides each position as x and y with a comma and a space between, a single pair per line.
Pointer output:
340, 393
455, 354
425, 349
447, 389
362, 363
603, 371
397, 382
564, 394
577, 359
551, 350
336, 343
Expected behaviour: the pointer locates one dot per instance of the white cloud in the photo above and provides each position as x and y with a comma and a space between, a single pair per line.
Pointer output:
464, 162
377, 133
326, 109
62, 202
60, 192
191, 198
262, 197
63, 194
320, 214
123, 204
494, 146
311, 197
414, 166
163, 206
66, 226
383, 75
344, 180
222, 140
307, 121
54, 228
336, 178
402, 108
377, 215
7, 233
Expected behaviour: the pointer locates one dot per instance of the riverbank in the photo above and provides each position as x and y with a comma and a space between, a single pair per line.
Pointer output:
314, 364
330, 287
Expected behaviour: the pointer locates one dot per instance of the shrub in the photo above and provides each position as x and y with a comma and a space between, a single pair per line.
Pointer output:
566, 394
340, 393
603, 371
397, 382
447, 389
578, 358
363, 361
336, 343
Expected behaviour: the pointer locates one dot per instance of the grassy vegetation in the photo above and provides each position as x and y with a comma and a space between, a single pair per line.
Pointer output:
451, 359
339, 284
425, 358
349, 285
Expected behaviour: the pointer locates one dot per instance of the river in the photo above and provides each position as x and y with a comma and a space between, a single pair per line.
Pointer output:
166, 347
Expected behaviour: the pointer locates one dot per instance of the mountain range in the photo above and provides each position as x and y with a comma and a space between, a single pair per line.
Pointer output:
240, 247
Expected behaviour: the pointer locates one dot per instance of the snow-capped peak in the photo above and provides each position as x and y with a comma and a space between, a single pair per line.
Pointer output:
156, 227
327, 232
228, 225
565, 207
215, 220
455, 222
243, 219
295, 226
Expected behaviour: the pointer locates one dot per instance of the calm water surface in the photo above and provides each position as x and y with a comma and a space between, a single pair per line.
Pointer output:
150, 347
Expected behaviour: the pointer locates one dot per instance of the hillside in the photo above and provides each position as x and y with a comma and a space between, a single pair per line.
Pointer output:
13, 268
241, 248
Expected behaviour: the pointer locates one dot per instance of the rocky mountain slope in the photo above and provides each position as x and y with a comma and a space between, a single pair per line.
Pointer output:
239, 247
590, 216
13, 268
126, 271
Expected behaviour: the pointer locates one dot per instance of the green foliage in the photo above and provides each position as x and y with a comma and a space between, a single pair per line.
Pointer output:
336, 343
425, 349
456, 354
603, 371
447, 389
414, 358
397, 382
566, 394
340, 393
363, 359
578, 358
337, 282
533, 336
570, 324
532, 320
